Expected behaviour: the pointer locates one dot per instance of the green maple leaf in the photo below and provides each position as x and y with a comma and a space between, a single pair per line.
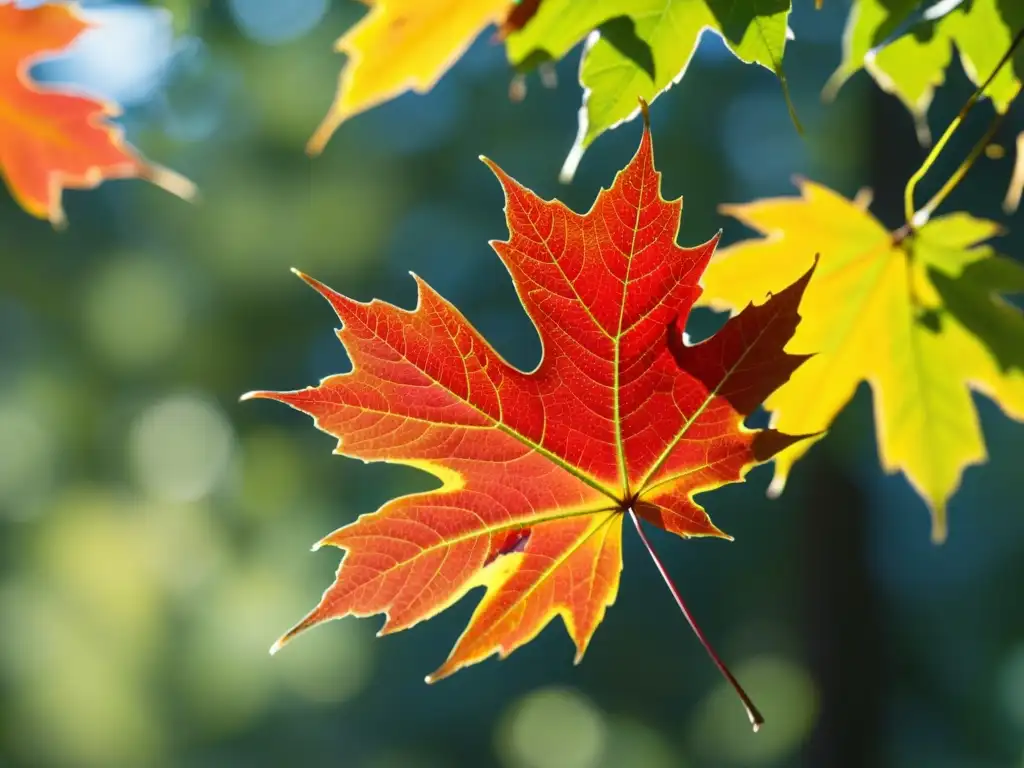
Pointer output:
911, 61
640, 48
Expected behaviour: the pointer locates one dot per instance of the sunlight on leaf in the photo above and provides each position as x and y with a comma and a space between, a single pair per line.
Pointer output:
538, 469
920, 320
909, 57
643, 48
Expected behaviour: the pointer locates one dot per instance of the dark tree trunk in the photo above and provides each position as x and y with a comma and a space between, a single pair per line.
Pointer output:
843, 626
844, 622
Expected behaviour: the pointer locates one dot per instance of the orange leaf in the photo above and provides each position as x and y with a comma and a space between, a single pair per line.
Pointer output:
537, 469
50, 140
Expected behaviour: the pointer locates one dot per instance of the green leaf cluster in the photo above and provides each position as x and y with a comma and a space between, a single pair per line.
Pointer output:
637, 49
908, 52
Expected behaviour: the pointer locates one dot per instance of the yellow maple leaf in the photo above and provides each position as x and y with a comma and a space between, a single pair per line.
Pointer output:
919, 317
402, 45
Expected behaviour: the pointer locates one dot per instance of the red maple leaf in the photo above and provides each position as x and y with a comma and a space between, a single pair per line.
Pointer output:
538, 469
50, 140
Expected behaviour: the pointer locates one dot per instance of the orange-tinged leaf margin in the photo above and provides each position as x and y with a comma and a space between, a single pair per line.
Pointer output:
37, 188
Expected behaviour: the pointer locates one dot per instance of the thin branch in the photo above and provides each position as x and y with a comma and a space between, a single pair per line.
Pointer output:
958, 175
756, 719
913, 217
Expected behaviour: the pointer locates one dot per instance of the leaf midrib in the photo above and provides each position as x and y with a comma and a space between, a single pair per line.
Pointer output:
620, 448
697, 414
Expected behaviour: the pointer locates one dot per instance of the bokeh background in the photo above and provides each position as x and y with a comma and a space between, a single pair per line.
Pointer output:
155, 533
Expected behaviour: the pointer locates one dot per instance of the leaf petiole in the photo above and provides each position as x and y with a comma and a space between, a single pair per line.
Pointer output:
917, 218
958, 175
756, 719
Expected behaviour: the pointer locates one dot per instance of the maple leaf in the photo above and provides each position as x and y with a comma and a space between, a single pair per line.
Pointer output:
50, 140
910, 59
538, 469
402, 45
642, 48
919, 318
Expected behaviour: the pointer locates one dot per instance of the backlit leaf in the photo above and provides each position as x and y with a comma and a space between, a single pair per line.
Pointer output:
921, 320
643, 48
537, 469
908, 56
402, 45
52, 140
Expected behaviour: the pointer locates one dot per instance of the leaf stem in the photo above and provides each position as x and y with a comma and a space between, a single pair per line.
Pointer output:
754, 715
916, 218
929, 208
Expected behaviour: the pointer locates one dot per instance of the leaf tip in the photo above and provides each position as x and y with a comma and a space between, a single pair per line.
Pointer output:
940, 528
171, 181
800, 285
316, 285
278, 645
445, 670
303, 276
572, 162
496, 170
318, 141
645, 113
776, 486
863, 199
256, 394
